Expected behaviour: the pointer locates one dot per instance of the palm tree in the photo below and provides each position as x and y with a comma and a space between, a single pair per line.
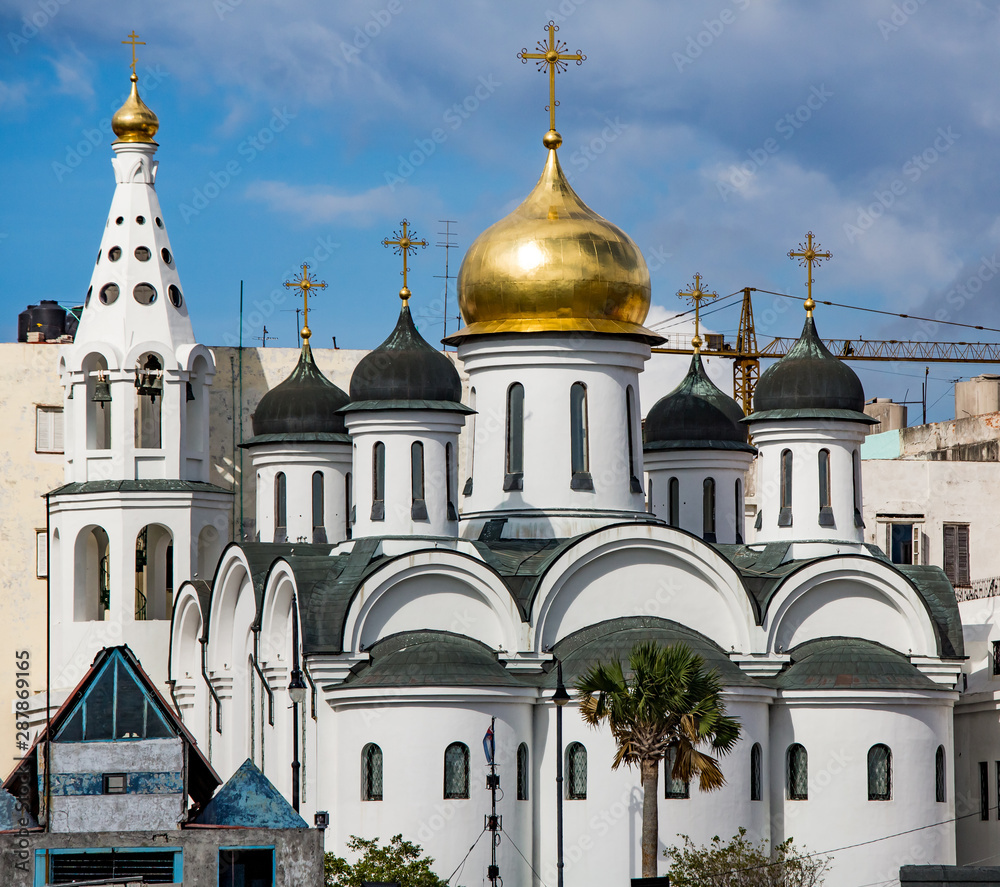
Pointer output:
668, 700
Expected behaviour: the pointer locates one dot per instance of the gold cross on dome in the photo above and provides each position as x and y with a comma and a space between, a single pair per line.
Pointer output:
695, 295
306, 283
402, 246
808, 255
552, 56
135, 41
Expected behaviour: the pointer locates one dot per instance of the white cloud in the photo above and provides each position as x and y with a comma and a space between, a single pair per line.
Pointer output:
314, 204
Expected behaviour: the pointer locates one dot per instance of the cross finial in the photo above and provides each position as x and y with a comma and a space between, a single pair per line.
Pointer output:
306, 283
402, 246
135, 41
695, 295
808, 255
552, 55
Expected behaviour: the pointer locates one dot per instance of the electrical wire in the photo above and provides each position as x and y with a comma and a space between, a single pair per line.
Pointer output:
717, 306
473, 847
525, 858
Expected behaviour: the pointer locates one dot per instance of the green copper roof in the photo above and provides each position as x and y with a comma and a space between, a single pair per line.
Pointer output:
137, 486
297, 437
450, 406
850, 664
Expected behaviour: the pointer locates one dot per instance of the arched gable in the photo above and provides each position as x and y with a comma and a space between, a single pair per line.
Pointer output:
642, 570
187, 355
434, 590
187, 628
135, 353
276, 612
851, 597
233, 610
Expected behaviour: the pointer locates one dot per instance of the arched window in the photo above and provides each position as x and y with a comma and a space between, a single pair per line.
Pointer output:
514, 477
456, 770
797, 772
470, 445
148, 402
708, 510
738, 513
879, 773
348, 506
450, 469
673, 788
825, 504
418, 510
371, 773
756, 774
576, 772
785, 513
939, 777
378, 481
318, 507
579, 452
522, 772
634, 485
858, 519
674, 502
280, 507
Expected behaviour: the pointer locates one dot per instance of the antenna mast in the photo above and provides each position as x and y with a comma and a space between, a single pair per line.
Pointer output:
447, 245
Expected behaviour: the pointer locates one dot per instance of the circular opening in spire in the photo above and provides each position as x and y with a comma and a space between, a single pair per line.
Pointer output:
115, 253
86, 301
166, 255
109, 292
175, 296
142, 253
120, 220
144, 293
140, 220
159, 222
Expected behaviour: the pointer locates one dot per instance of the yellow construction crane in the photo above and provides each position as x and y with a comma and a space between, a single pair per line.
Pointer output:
746, 355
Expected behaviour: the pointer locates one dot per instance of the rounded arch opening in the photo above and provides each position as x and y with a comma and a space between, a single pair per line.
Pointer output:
154, 573
92, 572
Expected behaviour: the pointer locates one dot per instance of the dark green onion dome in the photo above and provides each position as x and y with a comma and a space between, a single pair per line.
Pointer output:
695, 415
809, 382
405, 371
307, 402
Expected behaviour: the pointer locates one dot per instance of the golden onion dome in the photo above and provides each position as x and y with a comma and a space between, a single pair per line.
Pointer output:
554, 265
133, 121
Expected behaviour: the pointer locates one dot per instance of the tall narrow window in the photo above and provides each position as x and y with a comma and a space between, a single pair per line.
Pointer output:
756, 773
825, 503
879, 773
522, 772
956, 554
708, 510
280, 507
578, 436
634, 485
378, 481
456, 771
318, 507
856, 461
797, 772
673, 788
674, 502
939, 778
514, 477
785, 512
450, 469
576, 772
984, 790
371, 773
470, 445
348, 507
418, 510
738, 510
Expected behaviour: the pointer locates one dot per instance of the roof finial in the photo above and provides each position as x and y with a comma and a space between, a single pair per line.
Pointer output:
402, 246
808, 255
306, 283
553, 57
696, 295
135, 41
133, 121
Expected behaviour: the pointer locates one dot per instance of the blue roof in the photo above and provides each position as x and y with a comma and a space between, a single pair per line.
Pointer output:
249, 800
13, 814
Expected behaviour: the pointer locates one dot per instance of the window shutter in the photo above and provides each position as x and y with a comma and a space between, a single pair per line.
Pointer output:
962, 543
43, 429
57, 430
950, 553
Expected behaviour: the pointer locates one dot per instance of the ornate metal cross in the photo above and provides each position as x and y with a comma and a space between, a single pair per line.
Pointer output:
695, 295
808, 255
135, 41
306, 283
402, 246
552, 56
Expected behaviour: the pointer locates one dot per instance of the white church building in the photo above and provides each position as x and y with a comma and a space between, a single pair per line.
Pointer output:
417, 604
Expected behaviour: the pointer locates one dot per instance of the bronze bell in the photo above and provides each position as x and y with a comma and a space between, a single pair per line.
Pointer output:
148, 378
190, 392
102, 390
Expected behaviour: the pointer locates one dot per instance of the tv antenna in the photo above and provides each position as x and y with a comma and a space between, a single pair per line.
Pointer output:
447, 245
264, 338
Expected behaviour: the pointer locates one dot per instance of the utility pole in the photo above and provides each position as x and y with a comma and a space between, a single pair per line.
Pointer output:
493, 820
447, 245
264, 338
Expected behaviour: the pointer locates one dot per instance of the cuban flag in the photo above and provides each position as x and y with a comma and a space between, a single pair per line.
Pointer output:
489, 745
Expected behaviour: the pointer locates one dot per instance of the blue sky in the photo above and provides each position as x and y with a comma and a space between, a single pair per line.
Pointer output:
716, 133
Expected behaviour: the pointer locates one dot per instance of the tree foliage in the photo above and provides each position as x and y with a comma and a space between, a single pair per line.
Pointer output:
399, 860
741, 863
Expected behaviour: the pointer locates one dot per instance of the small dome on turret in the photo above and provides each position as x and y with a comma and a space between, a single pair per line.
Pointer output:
305, 403
695, 415
134, 121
